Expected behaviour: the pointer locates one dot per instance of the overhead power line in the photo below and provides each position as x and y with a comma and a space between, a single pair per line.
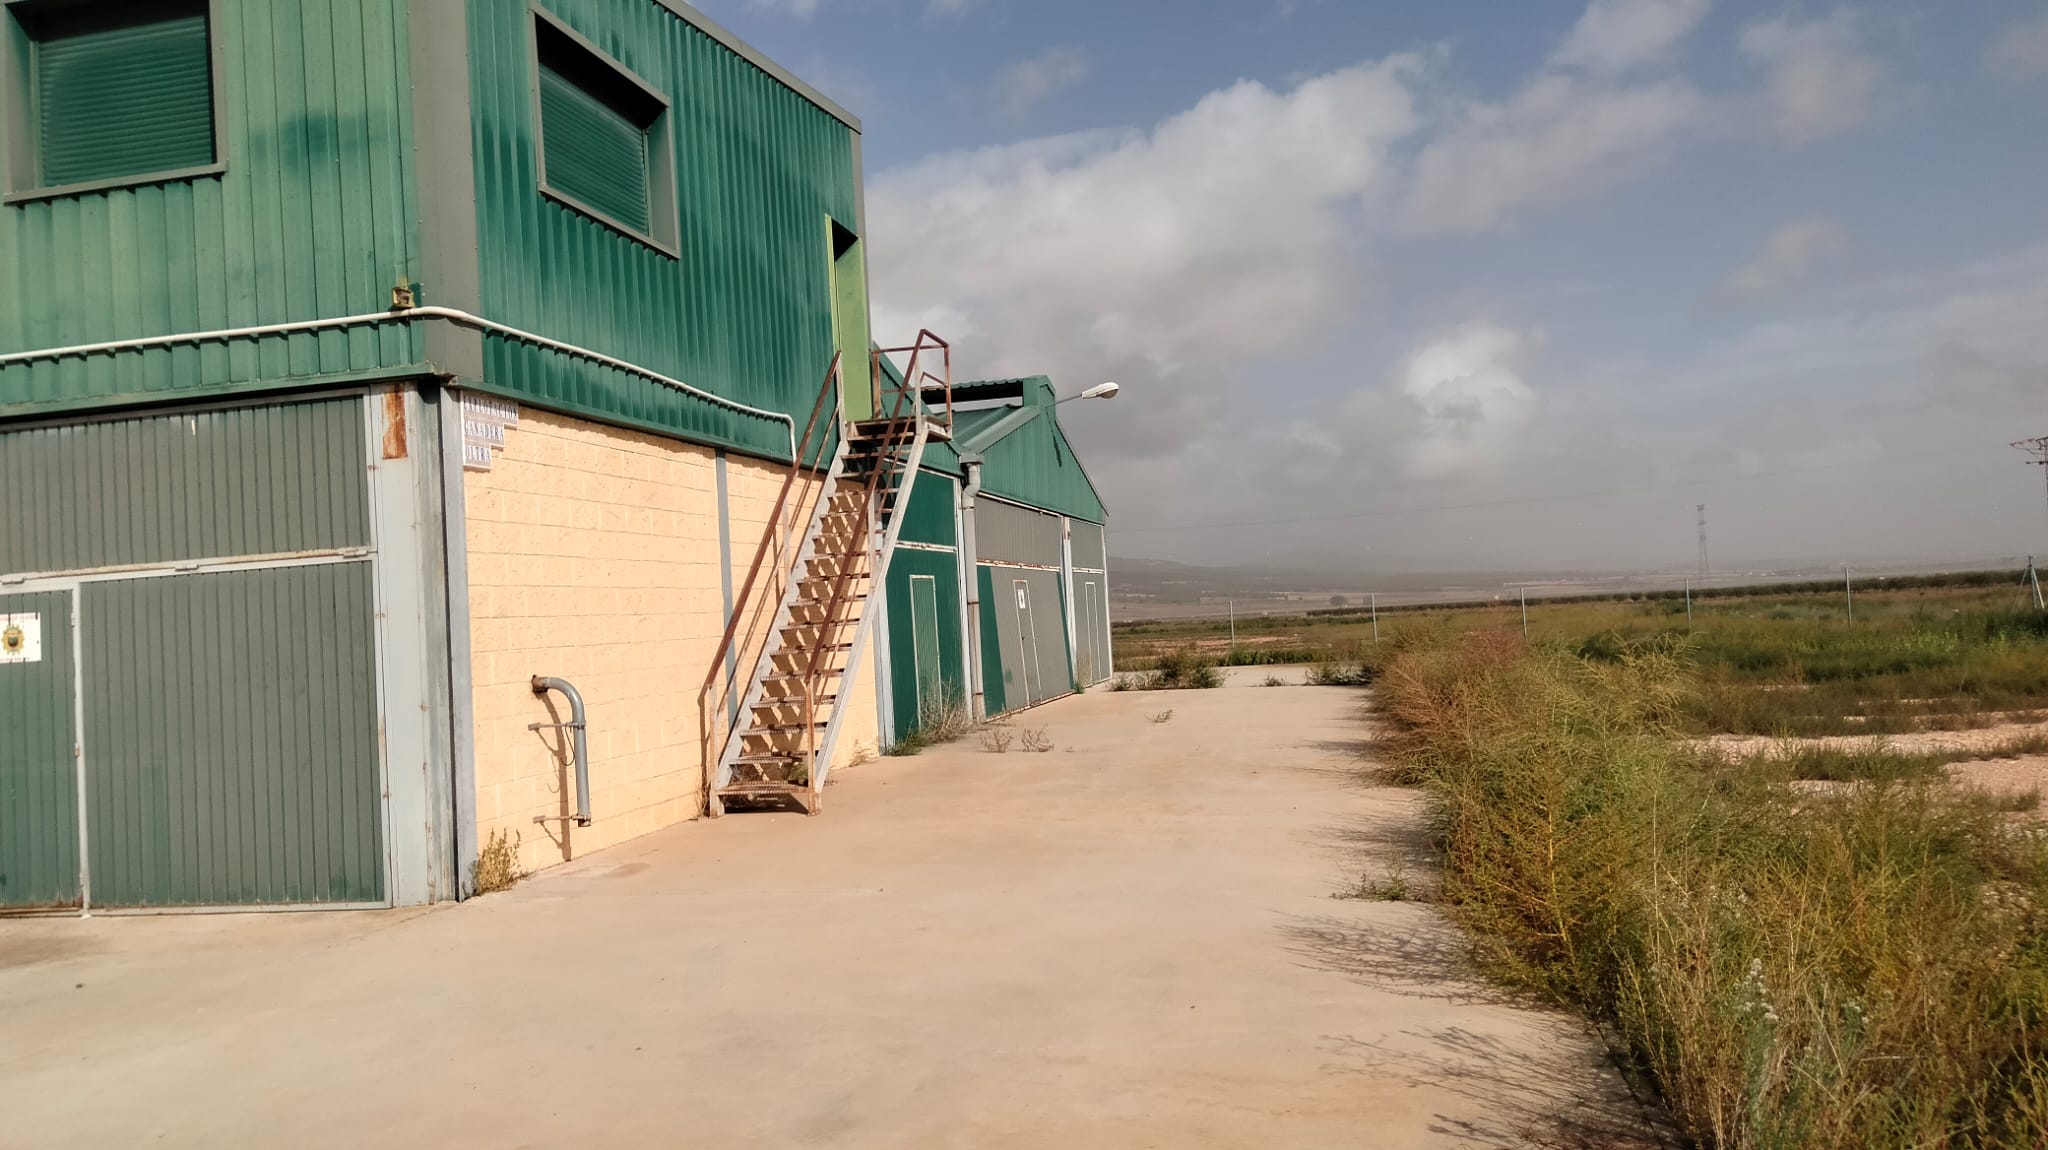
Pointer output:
1391, 512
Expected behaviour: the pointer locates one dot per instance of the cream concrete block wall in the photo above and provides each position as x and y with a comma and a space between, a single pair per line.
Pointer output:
593, 557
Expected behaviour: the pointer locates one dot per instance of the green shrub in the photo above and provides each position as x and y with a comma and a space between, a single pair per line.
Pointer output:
1859, 969
1179, 669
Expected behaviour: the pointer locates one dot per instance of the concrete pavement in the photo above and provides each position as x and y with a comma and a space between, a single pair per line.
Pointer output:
1130, 941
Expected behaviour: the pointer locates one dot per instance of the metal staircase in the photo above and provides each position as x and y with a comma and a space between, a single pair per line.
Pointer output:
771, 704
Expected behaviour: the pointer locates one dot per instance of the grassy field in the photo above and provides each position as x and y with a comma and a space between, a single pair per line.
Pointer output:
1780, 662
1862, 967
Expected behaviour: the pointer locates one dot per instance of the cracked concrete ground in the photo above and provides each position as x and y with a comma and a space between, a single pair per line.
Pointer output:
1130, 941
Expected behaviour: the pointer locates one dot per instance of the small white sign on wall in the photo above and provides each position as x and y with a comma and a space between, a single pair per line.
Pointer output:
21, 639
484, 420
1023, 598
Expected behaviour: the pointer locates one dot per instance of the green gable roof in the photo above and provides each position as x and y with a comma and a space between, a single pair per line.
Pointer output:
1034, 465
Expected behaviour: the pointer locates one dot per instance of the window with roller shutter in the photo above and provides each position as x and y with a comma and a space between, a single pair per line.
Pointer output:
110, 93
603, 137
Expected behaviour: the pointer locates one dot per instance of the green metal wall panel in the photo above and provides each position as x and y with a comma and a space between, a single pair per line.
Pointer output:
313, 217
202, 484
125, 100
231, 738
929, 516
1034, 464
906, 696
744, 311
38, 779
995, 699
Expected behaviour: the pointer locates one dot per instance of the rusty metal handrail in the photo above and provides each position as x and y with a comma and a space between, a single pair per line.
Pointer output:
914, 379
746, 606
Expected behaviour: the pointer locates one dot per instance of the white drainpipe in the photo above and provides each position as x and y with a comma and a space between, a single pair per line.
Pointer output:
969, 563
410, 313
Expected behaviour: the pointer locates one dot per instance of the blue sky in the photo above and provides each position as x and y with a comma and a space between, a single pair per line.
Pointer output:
1506, 284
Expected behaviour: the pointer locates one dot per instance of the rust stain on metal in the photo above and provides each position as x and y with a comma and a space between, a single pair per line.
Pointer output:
394, 425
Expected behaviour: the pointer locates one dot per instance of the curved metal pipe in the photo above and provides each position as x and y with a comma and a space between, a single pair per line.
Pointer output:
541, 686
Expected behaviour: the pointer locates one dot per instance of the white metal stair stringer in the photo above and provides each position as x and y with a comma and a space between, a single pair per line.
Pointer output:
771, 644
878, 571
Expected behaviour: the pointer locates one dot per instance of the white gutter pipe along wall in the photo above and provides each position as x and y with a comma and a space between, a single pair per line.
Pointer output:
449, 314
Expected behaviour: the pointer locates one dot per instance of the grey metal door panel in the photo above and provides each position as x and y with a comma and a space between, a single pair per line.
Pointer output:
1028, 664
38, 771
231, 721
1031, 635
157, 488
1009, 534
1087, 544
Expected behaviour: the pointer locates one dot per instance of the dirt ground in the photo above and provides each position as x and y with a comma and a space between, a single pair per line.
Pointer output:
1130, 941
2015, 775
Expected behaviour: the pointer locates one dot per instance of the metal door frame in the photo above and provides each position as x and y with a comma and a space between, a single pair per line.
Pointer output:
1091, 611
917, 648
1027, 639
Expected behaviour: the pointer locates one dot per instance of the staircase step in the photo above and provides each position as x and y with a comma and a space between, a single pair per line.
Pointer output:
821, 602
763, 731
822, 672
798, 793
795, 701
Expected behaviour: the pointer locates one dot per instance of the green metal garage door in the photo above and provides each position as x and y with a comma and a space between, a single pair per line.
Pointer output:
38, 776
231, 738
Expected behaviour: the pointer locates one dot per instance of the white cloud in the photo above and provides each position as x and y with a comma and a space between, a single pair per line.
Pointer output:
1617, 35
1167, 259
801, 9
2020, 53
1819, 79
1561, 136
1026, 83
1470, 404
1576, 126
1792, 254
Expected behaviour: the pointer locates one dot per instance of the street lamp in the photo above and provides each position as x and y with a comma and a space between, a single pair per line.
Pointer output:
1099, 391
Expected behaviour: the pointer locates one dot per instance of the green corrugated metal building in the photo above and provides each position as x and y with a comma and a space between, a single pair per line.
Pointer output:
259, 254
1037, 621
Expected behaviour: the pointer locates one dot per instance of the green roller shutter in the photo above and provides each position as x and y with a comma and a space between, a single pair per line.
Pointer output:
594, 154
123, 101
